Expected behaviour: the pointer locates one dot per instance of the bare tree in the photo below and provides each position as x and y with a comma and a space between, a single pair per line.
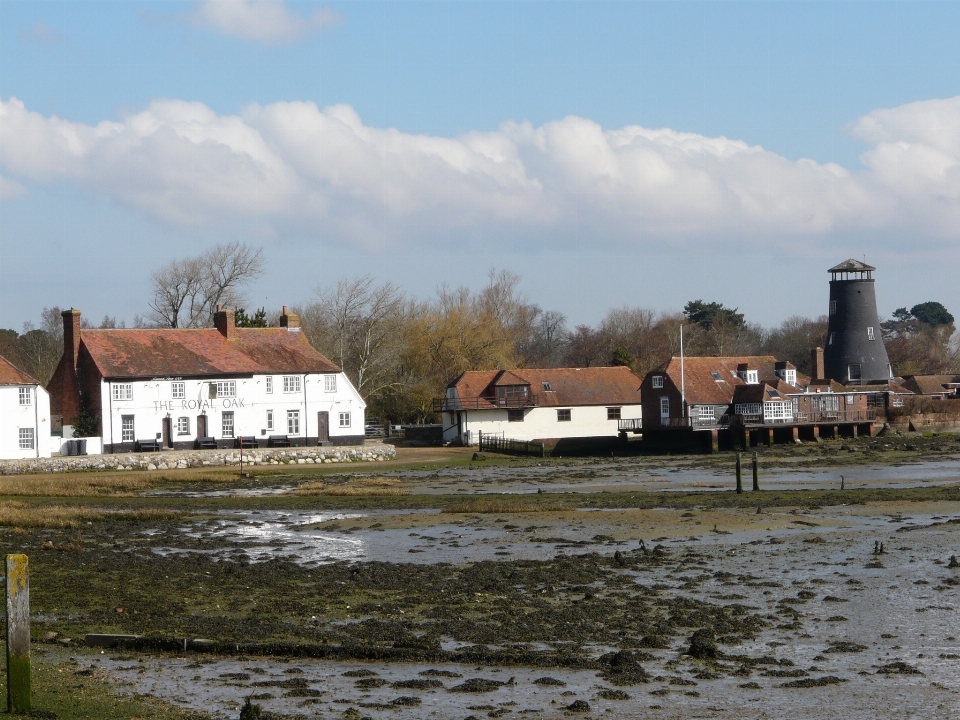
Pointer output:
186, 292
360, 325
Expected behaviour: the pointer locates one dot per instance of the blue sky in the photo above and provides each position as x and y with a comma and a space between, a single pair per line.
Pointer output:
611, 153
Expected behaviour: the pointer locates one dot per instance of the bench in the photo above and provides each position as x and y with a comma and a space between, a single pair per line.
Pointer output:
279, 441
148, 445
246, 441
206, 443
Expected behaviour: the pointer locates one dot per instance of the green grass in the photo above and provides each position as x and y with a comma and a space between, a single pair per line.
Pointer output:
72, 692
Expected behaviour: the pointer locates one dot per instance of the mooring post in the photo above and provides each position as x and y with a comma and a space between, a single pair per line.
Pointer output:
756, 474
18, 633
739, 476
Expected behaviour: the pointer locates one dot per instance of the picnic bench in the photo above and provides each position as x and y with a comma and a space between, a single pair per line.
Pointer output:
206, 443
246, 441
278, 441
148, 446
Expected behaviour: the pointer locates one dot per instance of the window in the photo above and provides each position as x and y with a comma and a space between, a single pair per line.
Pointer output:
126, 428
850, 399
514, 415
791, 376
870, 335
178, 390
227, 424
563, 416
833, 307
269, 381
547, 387
774, 394
664, 407
512, 394
705, 413
657, 381
875, 400
751, 377
854, 372
269, 419
777, 411
830, 339
293, 422
226, 388
613, 413
898, 402
26, 396
26, 438
291, 383
329, 383
755, 409
716, 376
183, 426
344, 419
123, 391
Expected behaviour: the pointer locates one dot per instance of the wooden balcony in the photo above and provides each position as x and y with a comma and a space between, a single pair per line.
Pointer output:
488, 402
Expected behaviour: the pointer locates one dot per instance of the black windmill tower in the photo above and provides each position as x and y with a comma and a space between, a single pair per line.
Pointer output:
854, 354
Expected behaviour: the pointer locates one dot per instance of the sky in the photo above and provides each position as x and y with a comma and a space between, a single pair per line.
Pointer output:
610, 153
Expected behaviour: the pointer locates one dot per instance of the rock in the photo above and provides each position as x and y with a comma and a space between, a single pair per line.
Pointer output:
578, 706
703, 644
953, 562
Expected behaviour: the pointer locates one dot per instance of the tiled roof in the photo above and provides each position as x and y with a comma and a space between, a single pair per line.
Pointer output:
701, 388
929, 384
569, 386
10, 374
194, 353
759, 392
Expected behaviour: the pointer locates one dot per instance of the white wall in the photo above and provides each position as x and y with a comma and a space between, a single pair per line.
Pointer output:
540, 422
152, 401
14, 416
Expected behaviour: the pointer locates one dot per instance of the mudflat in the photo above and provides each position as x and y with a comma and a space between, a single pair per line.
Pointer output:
442, 586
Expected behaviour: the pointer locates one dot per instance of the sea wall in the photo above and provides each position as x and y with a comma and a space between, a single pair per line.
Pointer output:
172, 459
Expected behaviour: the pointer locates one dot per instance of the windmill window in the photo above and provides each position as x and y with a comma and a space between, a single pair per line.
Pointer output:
832, 336
870, 335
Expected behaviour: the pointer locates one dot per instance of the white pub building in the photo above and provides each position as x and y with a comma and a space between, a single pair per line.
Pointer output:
205, 388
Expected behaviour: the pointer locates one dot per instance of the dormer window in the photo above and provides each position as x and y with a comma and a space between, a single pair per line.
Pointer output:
748, 376
512, 394
547, 387
790, 376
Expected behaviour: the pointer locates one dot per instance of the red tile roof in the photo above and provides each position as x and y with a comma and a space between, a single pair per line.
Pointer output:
930, 384
10, 374
569, 386
701, 388
193, 353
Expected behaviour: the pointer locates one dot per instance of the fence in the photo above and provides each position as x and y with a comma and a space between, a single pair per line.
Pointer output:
490, 443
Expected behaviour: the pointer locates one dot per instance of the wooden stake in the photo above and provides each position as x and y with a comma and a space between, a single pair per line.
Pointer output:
18, 633
739, 476
756, 474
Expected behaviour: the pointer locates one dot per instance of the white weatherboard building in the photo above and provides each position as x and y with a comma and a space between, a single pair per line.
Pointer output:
184, 389
24, 415
547, 404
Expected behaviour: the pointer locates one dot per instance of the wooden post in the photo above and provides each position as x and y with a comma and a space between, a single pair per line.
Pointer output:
18, 633
739, 476
756, 474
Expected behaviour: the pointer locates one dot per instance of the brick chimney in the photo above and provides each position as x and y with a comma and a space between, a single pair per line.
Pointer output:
71, 335
289, 320
816, 361
64, 386
225, 321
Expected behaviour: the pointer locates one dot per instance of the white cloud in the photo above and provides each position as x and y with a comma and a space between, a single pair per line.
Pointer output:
269, 22
292, 164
